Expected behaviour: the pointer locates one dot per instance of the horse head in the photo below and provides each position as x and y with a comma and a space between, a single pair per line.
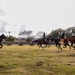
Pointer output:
3, 36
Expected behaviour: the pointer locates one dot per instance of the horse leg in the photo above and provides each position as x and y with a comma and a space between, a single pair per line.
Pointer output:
69, 46
72, 45
49, 44
45, 46
60, 47
41, 46
38, 45
57, 46
64, 46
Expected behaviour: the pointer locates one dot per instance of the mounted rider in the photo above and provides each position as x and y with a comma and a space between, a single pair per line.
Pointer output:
44, 37
62, 37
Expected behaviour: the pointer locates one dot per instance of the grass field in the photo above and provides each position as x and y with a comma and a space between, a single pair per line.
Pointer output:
32, 60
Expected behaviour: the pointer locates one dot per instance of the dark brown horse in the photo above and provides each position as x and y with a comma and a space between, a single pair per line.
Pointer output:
58, 42
41, 42
1, 38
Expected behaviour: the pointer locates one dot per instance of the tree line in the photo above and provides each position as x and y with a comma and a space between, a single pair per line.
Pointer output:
27, 35
68, 32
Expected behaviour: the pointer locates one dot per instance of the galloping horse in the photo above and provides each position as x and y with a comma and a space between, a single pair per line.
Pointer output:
40, 42
71, 39
59, 42
1, 38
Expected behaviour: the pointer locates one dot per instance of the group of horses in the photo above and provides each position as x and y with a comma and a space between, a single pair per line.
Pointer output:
70, 41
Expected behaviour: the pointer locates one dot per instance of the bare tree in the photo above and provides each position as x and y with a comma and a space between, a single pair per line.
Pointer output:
25, 33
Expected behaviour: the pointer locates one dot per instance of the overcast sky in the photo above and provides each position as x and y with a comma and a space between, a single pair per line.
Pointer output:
36, 15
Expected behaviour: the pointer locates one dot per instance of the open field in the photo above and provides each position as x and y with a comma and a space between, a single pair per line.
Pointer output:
32, 60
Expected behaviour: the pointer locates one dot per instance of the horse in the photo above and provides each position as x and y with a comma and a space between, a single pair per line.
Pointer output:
71, 39
1, 38
59, 42
40, 42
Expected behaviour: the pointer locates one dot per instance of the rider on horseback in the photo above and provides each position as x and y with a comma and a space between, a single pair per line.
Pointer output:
62, 36
44, 37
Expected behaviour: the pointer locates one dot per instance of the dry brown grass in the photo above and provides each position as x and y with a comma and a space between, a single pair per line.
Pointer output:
32, 60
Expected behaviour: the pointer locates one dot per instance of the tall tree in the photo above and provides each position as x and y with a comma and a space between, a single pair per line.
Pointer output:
56, 33
26, 35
